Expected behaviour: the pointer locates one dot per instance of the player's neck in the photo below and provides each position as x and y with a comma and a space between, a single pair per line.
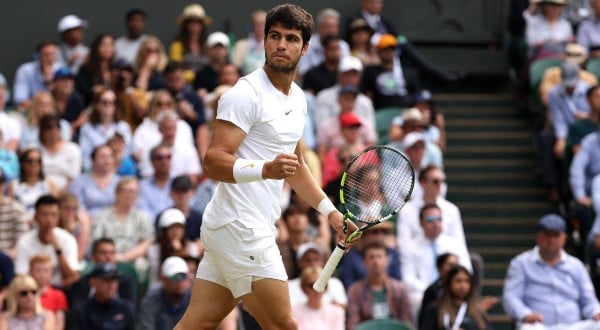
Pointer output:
282, 81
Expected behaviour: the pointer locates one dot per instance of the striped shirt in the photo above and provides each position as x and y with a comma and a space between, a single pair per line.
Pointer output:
13, 223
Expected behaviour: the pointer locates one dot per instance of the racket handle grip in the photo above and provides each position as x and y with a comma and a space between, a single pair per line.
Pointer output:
330, 267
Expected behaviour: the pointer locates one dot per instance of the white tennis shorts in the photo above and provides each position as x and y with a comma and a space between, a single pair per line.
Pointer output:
236, 255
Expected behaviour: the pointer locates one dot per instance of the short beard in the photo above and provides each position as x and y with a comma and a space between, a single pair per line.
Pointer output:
290, 68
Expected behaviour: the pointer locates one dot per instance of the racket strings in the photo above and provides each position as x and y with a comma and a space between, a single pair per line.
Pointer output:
378, 183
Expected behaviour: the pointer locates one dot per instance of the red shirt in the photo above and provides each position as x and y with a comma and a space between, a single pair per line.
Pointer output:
54, 300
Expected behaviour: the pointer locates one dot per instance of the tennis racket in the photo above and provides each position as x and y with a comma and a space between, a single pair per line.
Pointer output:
375, 185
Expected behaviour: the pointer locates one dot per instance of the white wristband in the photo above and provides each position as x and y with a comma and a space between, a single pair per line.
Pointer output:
245, 170
326, 206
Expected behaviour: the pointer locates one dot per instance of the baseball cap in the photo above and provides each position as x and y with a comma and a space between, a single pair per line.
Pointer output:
412, 115
216, 38
422, 96
569, 73
181, 183
552, 222
386, 41
575, 52
174, 268
412, 138
170, 217
63, 72
309, 246
105, 270
70, 22
350, 119
349, 63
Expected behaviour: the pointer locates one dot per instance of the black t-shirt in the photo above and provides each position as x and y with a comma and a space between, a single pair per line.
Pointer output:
319, 78
385, 90
206, 78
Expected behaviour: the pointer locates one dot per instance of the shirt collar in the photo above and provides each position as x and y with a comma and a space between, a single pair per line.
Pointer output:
537, 258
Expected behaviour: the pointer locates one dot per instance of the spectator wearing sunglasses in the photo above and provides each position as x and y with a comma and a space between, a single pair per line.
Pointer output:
25, 309
419, 256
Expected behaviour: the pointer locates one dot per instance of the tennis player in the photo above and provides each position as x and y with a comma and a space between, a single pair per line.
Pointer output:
255, 146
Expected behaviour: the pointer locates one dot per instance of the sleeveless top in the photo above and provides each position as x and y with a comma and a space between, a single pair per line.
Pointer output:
34, 323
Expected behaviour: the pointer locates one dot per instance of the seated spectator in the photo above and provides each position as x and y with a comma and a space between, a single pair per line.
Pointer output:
164, 306
146, 135
327, 104
131, 101
50, 240
42, 104
71, 51
104, 122
377, 296
182, 191
103, 251
10, 125
387, 84
314, 255
553, 76
188, 104
154, 190
419, 256
188, 46
248, 54
94, 75
61, 159
413, 120
130, 227
35, 76
547, 34
457, 307
359, 39
170, 241
588, 31
13, 220
354, 268
324, 75
9, 162
96, 189
124, 163
295, 220
7, 273
548, 268
68, 102
434, 121
76, 221
327, 23
433, 293
150, 62
127, 46
184, 157
582, 127
316, 313
216, 53
24, 309
104, 309
332, 133
31, 183
53, 300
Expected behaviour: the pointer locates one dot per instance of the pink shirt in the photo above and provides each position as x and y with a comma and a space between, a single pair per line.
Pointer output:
329, 317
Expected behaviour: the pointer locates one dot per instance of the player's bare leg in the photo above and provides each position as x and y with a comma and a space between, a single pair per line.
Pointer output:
209, 304
269, 303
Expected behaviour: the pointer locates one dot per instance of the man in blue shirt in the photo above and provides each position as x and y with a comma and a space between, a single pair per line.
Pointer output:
35, 76
545, 285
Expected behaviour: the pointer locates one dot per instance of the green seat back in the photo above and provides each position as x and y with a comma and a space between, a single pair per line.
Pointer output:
383, 120
384, 324
593, 66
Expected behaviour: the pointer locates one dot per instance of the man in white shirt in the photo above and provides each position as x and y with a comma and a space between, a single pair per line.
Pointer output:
419, 257
51, 240
126, 47
9, 126
72, 52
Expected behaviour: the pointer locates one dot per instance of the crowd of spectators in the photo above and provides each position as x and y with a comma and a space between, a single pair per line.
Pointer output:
102, 191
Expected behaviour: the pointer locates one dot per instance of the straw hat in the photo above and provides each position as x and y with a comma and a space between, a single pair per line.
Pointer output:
194, 11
